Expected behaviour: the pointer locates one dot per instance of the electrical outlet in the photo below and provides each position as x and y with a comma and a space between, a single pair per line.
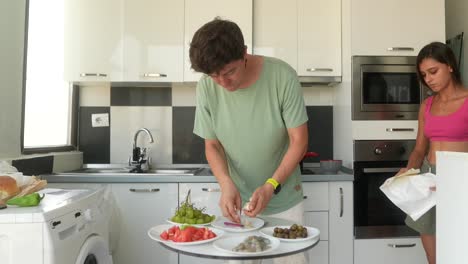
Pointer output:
100, 120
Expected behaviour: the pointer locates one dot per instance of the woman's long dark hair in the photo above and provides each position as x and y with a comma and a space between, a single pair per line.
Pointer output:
441, 53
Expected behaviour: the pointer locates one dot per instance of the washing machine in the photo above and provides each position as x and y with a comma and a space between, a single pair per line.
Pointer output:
70, 226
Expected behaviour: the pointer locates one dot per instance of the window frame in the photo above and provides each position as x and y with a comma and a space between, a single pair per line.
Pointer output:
73, 136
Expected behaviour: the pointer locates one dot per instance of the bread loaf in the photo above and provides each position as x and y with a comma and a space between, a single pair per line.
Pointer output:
8, 187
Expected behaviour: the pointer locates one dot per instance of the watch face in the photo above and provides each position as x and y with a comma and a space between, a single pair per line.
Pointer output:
278, 189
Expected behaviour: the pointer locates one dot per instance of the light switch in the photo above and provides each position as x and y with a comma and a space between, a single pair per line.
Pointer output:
100, 120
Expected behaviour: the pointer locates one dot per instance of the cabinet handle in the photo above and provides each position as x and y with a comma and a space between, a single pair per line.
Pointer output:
380, 170
156, 75
305, 197
211, 189
144, 190
400, 129
93, 74
401, 245
341, 201
400, 49
319, 69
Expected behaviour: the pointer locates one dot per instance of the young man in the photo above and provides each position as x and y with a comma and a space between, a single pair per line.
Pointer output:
251, 113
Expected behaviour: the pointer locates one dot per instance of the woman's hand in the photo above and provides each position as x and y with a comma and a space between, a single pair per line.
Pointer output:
230, 202
259, 200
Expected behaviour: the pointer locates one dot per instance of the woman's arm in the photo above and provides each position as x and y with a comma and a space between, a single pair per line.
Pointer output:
422, 144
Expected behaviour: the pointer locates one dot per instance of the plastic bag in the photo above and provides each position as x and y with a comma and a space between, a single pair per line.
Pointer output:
411, 193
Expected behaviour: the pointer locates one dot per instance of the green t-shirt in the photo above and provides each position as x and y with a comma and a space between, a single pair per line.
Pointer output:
252, 124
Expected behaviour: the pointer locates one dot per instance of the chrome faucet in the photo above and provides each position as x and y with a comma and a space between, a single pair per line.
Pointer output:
139, 161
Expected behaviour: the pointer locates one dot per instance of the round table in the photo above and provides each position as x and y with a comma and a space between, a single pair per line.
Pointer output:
208, 251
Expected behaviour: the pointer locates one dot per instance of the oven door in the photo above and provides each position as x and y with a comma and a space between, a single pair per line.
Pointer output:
375, 216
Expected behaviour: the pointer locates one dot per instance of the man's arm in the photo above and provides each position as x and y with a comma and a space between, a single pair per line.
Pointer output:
298, 143
230, 201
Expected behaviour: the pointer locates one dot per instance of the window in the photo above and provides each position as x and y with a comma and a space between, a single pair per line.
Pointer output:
49, 100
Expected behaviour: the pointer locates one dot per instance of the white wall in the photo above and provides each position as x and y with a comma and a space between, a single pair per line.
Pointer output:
456, 21
12, 28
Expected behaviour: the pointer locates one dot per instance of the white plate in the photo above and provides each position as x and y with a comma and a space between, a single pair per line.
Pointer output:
155, 232
256, 224
179, 224
312, 233
228, 243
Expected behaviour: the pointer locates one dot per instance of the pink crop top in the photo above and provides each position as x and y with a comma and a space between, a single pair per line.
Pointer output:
452, 127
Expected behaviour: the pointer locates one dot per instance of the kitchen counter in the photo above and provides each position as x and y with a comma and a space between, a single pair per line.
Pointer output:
203, 176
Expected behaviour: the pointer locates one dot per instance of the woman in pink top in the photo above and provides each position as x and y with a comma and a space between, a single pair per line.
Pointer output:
442, 124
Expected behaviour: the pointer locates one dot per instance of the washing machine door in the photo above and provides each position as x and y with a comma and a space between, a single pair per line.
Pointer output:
94, 251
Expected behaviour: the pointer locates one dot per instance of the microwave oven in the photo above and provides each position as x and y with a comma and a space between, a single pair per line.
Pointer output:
385, 88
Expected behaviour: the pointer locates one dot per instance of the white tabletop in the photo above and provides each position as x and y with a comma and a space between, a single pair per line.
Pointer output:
208, 251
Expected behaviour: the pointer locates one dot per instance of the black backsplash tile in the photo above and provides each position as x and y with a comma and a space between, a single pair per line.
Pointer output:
34, 166
187, 148
141, 96
320, 132
94, 142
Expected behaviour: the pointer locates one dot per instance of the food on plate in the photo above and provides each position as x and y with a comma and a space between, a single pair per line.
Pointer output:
253, 244
187, 213
246, 222
187, 234
8, 187
293, 232
32, 199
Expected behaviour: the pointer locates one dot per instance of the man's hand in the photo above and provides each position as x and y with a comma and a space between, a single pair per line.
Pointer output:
259, 200
230, 202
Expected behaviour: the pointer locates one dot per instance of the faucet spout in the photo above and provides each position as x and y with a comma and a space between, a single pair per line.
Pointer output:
138, 132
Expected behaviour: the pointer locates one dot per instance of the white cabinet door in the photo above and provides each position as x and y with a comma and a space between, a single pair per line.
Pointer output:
143, 206
341, 222
389, 251
93, 40
202, 195
275, 30
305, 34
153, 40
319, 253
395, 27
199, 12
315, 196
319, 37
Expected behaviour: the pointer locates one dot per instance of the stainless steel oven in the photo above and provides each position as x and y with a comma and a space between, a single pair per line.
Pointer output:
385, 88
375, 216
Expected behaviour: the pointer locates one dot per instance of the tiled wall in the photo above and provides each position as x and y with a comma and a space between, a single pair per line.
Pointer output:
168, 112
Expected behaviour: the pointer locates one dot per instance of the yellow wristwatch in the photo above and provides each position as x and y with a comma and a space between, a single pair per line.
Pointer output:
276, 185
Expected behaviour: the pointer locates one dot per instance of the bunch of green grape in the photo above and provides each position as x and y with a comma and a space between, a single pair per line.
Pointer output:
187, 213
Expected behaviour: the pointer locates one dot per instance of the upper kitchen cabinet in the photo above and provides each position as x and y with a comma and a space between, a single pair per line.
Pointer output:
395, 27
93, 40
305, 34
275, 30
319, 37
153, 32
197, 13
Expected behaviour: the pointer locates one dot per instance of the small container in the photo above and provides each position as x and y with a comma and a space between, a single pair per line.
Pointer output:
330, 166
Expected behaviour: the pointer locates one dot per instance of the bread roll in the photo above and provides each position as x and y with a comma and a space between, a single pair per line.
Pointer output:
8, 187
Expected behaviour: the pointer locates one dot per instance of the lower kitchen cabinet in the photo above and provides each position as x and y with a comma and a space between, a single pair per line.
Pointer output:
202, 195
143, 205
389, 251
329, 207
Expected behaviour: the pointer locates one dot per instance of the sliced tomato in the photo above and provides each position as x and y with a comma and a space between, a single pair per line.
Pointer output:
164, 235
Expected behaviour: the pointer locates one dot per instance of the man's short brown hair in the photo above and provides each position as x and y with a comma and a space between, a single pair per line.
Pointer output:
216, 44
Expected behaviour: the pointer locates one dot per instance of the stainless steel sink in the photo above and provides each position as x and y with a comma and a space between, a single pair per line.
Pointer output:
118, 169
